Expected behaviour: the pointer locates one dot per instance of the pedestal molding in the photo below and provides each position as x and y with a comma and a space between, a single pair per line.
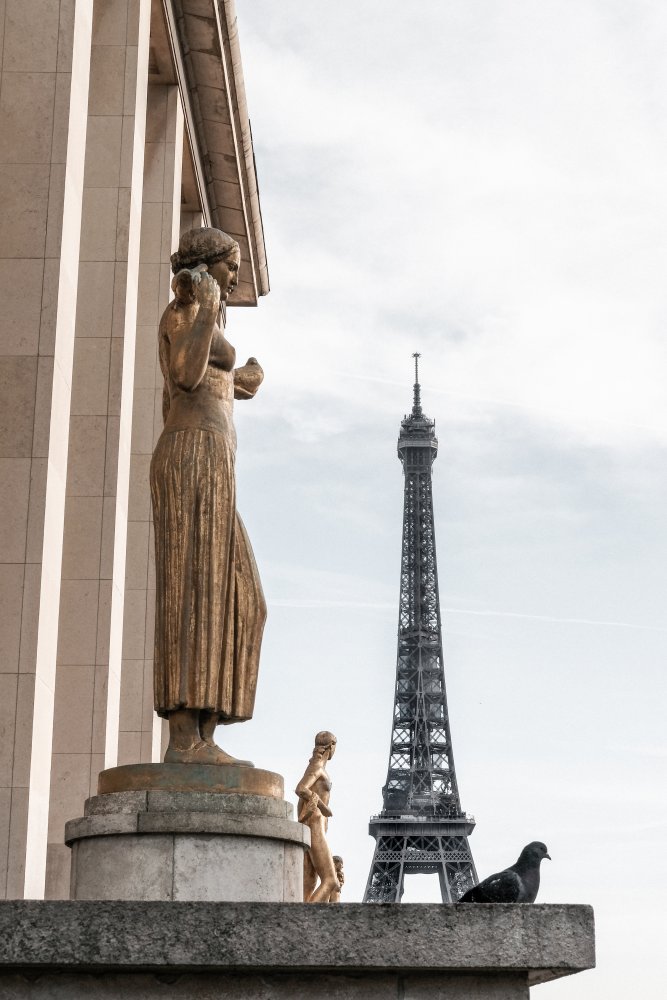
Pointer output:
195, 823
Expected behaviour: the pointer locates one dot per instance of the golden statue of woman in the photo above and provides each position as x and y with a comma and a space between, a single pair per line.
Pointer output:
210, 609
314, 790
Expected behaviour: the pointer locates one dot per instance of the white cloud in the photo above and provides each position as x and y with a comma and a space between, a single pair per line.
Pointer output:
495, 173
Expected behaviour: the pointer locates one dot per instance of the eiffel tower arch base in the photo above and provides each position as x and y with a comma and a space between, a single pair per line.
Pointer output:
412, 847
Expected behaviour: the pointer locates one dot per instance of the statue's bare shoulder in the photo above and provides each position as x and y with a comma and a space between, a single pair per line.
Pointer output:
177, 318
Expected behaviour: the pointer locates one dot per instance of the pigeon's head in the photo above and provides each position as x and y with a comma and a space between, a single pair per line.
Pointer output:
534, 852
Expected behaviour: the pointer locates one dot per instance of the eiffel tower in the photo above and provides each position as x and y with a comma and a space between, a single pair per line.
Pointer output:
422, 827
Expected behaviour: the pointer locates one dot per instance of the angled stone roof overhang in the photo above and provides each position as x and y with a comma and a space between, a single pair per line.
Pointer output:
205, 48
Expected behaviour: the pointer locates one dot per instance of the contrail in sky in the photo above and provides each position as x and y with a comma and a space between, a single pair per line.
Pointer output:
378, 606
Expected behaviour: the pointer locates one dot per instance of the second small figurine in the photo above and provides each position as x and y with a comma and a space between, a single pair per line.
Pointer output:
340, 875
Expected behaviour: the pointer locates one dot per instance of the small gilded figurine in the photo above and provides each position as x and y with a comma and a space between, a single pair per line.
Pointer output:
340, 875
313, 791
210, 609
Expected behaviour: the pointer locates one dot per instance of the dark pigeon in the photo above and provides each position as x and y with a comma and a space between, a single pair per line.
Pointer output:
518, 884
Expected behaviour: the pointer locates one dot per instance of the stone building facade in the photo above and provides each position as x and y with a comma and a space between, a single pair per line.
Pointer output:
122, 122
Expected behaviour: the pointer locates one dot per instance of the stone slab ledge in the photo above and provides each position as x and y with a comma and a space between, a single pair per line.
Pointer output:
543, 941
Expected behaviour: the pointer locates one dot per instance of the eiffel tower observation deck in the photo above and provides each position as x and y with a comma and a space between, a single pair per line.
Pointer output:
422, 827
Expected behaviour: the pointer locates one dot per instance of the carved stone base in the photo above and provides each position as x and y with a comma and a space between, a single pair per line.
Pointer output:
194, 845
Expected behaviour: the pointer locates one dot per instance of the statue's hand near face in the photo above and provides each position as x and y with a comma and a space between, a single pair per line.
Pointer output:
208, 293
248, 379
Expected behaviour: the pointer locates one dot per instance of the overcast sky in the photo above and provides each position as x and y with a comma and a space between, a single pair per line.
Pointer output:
483, 182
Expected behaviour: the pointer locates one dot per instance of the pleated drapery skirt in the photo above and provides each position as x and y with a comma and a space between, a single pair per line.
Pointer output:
210, 609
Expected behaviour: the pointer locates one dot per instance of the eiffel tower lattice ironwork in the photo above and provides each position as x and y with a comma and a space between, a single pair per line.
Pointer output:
422, 827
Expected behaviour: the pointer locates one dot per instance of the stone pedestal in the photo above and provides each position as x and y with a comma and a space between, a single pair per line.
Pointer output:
230, 839
260, 951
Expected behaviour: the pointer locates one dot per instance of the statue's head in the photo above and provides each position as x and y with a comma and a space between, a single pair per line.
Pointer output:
337, 860
219, 252
325, 743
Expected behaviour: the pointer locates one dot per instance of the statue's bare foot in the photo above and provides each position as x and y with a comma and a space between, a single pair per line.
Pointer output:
202, 752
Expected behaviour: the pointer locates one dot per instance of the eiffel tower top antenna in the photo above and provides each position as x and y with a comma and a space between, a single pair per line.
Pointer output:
417, 404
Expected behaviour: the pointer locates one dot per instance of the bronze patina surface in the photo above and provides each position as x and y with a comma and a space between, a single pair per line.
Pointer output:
314, 791
191, 778
210, 609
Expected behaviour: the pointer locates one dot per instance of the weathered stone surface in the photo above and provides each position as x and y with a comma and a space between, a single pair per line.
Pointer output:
464, 987
306, 986
115, 803
123, 867
185, 822
229, 802
170, 802
540, 942
205, 868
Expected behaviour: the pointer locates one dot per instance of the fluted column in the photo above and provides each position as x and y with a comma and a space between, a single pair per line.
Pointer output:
88, 661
